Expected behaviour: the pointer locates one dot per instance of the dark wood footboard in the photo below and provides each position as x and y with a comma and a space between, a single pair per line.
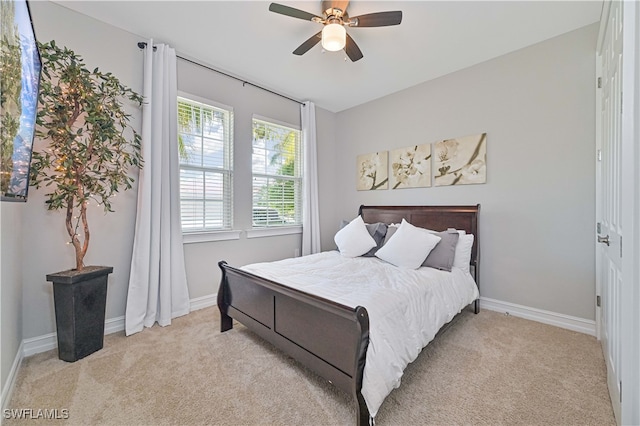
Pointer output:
329, 338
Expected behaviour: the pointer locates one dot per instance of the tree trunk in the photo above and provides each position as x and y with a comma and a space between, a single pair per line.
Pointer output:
72, 231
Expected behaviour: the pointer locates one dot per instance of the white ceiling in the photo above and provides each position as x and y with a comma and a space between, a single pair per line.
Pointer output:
435, 38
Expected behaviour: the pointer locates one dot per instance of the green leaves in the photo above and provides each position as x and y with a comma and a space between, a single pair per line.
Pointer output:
85, 122
92, 145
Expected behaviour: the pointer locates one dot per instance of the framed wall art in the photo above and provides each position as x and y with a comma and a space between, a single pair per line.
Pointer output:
410, 167
372, 171
460, 161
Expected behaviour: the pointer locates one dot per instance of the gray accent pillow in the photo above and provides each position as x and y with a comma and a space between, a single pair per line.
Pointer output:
442, 255
390, 231
377, 231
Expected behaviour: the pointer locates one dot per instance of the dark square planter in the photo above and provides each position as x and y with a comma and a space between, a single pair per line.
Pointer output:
80, 300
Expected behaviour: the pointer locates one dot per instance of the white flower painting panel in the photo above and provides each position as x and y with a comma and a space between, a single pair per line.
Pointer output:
410, 167
372, 170
460, 161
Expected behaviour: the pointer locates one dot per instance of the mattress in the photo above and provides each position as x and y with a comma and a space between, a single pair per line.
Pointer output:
406, 307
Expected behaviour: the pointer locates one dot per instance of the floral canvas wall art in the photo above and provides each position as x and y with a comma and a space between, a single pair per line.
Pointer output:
460, 161
373, 171
410, 167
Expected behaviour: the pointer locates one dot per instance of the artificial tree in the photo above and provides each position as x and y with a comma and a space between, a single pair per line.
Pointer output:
91, 143
91, 147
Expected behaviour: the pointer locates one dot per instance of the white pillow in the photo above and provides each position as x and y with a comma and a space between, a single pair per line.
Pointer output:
354, 240
408, 247
463, 252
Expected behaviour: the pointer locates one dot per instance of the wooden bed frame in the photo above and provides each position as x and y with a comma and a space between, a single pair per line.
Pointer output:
329, 338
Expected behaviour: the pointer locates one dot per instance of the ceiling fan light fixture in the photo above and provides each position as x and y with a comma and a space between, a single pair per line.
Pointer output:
334, 37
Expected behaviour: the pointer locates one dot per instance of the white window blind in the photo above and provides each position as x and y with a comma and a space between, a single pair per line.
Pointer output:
277, 174
205, 135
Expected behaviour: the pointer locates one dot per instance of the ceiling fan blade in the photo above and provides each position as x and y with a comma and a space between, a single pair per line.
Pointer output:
379, 19
352, 50
290, 11
312, 41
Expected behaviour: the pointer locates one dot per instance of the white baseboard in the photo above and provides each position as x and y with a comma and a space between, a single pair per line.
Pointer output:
580, 325
7, 389
36, 345
113, 325
203, 302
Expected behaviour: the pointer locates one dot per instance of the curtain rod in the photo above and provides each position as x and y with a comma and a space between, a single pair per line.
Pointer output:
143, 45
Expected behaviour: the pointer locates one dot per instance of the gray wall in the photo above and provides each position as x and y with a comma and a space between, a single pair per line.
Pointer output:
537, 106
328, 180
11, 289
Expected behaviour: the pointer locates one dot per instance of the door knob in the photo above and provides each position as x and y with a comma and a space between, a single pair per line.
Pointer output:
604, 240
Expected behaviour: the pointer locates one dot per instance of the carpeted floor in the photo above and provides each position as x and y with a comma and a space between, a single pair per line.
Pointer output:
487, 369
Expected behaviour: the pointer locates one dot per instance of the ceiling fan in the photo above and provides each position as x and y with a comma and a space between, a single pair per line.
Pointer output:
334, 17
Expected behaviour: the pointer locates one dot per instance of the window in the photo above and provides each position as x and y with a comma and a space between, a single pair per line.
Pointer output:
277, 174
205, 146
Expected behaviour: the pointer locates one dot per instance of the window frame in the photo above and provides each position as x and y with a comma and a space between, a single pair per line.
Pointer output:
226, 232
283, 229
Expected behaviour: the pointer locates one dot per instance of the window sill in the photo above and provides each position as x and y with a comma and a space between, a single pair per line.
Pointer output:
273, 232
203, 237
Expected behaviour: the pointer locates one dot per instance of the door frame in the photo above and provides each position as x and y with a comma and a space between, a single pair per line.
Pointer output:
630, 330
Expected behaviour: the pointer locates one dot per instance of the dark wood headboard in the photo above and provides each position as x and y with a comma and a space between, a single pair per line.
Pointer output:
437, 218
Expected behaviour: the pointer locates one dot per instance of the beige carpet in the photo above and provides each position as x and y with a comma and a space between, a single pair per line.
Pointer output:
487, 369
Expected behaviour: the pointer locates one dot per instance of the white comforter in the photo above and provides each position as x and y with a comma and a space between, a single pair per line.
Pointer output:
406, 307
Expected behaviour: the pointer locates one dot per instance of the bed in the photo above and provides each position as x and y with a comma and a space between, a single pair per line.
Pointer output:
332, 337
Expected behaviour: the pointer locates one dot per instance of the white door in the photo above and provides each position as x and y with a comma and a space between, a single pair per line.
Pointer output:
630, 153
609, 199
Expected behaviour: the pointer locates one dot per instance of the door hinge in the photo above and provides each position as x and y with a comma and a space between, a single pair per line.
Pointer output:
599, 228
599, 82
599, 155
620, 391
621, 246
598, 301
